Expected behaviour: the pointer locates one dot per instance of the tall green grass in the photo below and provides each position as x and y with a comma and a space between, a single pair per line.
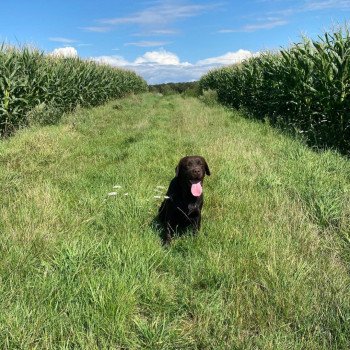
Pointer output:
36, 87
305, 88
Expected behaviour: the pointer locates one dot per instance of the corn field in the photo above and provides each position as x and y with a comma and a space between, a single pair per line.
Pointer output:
305, 88
37, 86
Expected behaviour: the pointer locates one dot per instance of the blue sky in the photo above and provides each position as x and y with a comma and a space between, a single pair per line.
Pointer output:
167, 40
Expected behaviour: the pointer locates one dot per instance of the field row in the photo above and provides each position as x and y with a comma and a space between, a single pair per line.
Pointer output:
38, 89
305, 88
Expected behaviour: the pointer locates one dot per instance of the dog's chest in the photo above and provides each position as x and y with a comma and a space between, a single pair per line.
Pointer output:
193, 208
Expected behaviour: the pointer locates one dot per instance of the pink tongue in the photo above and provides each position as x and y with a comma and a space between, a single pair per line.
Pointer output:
196, 189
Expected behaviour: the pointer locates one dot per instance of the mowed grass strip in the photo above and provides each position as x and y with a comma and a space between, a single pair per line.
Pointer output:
83, 269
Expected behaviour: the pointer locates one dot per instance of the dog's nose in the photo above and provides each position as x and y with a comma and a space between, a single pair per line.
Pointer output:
196, 171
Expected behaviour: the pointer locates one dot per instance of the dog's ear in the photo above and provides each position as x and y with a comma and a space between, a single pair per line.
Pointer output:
178, 168
206, 167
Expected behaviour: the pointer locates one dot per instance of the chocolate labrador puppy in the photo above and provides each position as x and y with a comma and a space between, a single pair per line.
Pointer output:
182, 207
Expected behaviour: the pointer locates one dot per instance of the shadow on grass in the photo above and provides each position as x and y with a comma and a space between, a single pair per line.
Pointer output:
158, 228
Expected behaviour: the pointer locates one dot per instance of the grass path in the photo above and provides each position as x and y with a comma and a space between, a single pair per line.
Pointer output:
84, 270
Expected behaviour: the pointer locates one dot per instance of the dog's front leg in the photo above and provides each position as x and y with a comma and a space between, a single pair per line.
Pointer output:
167, 235
196, 225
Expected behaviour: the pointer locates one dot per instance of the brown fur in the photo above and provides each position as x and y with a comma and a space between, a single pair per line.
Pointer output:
182, 210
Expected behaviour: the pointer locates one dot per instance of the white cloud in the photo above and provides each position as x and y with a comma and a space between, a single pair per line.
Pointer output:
327, 4
163, 13
157, 32
228, 58
160, 57
267, 25
262, 24
97, 29
281, 17
158, 74
114, 60
164, 66
151, 58
313, 6
63, 40
84, 45
147, 43
65, 52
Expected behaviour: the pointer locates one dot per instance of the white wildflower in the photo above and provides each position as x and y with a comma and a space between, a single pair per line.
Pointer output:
112, 193
117, 186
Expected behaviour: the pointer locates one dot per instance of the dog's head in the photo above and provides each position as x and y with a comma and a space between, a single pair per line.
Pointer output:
191, 171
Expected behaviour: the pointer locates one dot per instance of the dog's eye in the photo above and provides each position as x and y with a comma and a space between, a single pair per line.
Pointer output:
189, 164
199, 162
